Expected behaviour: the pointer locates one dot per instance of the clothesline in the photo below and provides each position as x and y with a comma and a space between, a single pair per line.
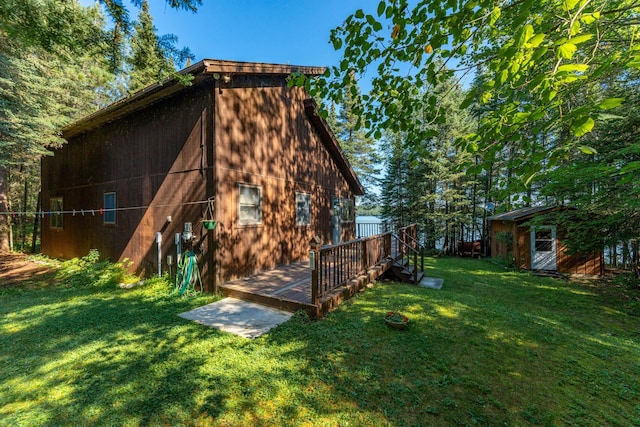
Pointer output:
98, 211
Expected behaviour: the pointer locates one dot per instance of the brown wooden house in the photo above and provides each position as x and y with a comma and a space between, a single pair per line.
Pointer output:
539, 247
237, 146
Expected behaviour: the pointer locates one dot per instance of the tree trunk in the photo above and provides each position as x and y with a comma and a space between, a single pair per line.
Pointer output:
36, 223
23, 217
4, 207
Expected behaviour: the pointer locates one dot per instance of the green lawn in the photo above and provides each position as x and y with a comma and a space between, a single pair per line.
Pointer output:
490, 348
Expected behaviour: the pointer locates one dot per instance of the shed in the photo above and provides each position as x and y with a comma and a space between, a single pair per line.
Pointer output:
539, 247
238, 146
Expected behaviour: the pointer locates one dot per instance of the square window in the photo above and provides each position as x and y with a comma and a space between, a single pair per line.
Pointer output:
348, 211
303, 209
249, 205
57, 207
109, 214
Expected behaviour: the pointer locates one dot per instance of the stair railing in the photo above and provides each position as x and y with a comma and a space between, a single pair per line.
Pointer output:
409, 246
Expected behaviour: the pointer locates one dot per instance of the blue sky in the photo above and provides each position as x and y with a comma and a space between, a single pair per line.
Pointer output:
277, 31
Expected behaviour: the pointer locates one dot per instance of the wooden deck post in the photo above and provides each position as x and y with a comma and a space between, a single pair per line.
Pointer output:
314, 262
365, 260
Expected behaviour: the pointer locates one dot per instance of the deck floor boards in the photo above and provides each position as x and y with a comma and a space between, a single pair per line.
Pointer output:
291, 282
287, 287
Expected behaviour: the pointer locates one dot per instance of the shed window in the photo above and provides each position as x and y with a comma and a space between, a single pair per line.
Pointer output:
303, 209
249, 205
109, 216
57, 207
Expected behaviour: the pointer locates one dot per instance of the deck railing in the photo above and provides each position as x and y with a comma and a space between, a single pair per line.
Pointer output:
334, 266
409, 249
367, 229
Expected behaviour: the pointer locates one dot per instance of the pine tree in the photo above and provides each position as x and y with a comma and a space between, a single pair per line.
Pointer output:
43, 85
148, 62
360, 149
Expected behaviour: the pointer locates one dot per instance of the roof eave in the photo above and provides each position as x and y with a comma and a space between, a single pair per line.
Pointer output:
157, 91
331, 143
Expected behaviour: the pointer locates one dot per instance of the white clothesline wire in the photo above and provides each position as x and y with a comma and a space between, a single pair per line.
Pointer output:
99, 211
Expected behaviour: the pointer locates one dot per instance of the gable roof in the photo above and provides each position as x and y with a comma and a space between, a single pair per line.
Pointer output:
211, 68
522, 213
206, 68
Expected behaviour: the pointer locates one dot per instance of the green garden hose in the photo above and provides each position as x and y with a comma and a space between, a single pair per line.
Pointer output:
188, 275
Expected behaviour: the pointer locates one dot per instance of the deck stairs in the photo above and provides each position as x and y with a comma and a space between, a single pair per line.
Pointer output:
408, 259
405, 272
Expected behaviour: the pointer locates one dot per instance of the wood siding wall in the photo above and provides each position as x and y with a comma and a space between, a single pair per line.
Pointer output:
201, 142
156, 157
272, 146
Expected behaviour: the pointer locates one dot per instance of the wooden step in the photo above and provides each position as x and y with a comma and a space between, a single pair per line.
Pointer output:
406, 274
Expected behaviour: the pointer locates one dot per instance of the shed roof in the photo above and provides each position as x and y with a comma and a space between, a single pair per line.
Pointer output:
522, 213
203, 69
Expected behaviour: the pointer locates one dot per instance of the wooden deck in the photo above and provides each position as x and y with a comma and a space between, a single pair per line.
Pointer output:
289, 288
340, 271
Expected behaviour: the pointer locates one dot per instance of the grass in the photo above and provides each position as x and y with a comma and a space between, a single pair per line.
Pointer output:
490, 348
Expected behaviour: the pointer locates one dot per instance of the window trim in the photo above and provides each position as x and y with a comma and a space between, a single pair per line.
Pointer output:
109, 210
307, 196
246, 222
56, 204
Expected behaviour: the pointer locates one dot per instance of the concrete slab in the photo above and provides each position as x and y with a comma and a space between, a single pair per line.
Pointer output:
431, 282
247, 319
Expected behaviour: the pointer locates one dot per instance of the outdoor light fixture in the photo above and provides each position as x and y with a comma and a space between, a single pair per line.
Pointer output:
187, 234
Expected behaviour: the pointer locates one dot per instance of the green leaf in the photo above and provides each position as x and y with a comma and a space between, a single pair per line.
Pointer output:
493, 17
528, 179
524, 34
471, 96
536, 40
573, 67
539, 53
609, 103
576, 28
582, 126
567, 50
486, 97
590, 18
605, 116
520, 117
359, 14
381, 7
581, 39
502, 77
337, 43
569, 4
587, 150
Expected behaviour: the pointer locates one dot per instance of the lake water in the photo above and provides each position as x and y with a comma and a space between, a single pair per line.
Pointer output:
368, 219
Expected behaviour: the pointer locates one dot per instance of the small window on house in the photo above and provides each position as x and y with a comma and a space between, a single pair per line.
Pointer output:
348, 210
249, 205
109, 214
56, 212
303, 209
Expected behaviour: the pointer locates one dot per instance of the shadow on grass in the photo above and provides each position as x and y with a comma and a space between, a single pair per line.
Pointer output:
491, 347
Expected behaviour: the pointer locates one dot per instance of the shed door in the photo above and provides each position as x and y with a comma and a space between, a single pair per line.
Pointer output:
336, 221
543, 248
